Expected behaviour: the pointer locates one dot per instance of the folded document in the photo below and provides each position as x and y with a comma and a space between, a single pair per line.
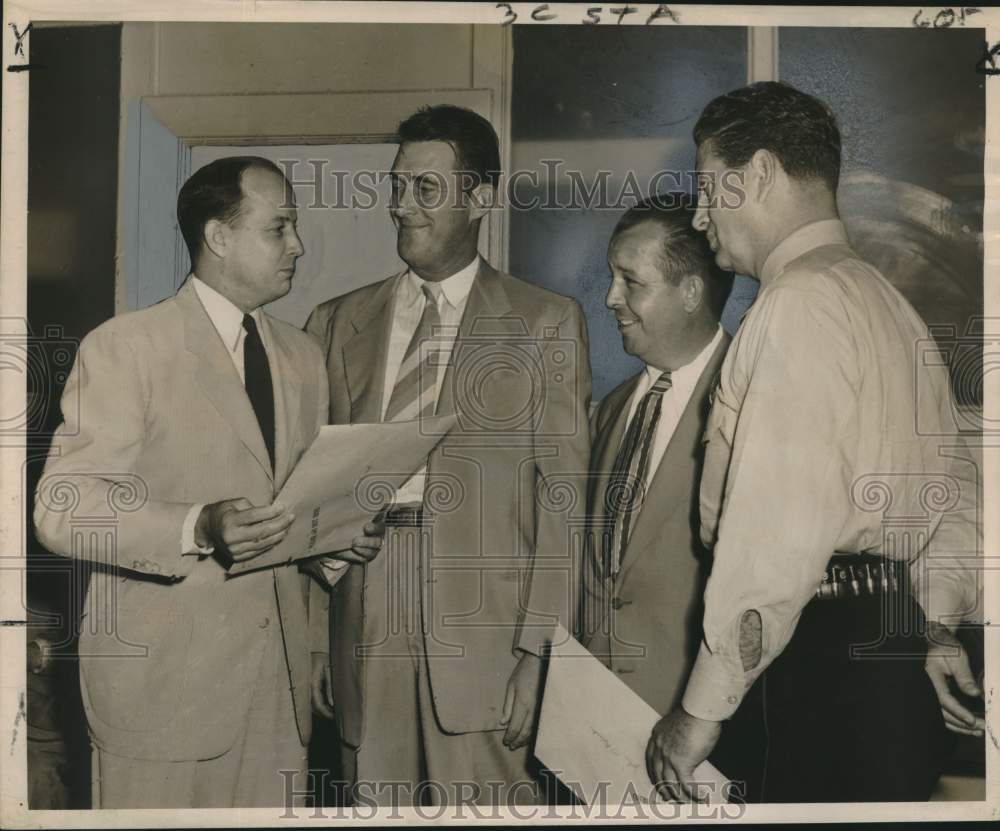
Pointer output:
347, 475
593, 732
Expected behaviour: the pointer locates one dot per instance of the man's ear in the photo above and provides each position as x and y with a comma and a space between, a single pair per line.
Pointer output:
765, 168
692, 292
215, 235
481, 200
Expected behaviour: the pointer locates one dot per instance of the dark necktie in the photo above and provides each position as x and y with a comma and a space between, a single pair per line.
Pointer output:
627, 484
415, 392
257, 378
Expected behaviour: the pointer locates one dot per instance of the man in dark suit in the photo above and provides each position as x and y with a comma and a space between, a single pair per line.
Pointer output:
188, 418
437, 645
646, 567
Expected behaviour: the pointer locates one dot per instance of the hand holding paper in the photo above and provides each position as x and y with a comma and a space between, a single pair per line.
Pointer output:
342, 481
594, 731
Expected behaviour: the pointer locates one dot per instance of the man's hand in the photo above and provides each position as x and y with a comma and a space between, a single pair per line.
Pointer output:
322, 685
239, 531
678, 744
364, 548
947, 658
520, 705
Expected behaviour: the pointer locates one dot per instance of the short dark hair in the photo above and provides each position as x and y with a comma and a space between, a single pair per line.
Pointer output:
214, 192
472, 137
685, 250
799, 129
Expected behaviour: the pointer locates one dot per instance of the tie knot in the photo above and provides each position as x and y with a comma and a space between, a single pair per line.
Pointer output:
662, 384
250, 324
431, 293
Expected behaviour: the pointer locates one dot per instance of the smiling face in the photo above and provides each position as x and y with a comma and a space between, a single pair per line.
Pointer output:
649, 307
723, 213
262, 242
436, 223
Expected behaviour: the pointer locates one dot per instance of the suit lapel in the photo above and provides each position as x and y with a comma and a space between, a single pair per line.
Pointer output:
218, 378
287, 400
487, 300
366, 352
667, 490
604, 452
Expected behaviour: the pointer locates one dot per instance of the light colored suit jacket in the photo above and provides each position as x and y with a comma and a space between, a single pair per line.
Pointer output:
504, 565
646, 625
156, 420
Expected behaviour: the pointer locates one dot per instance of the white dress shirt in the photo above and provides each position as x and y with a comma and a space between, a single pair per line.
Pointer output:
407, 309
228, 322
829, 409
675, 400
408, 306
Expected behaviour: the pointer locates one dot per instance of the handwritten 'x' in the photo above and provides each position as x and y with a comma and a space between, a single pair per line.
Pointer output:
19, 46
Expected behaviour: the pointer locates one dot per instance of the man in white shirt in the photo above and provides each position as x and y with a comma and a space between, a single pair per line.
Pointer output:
828, 426
646, 566
187, 418
437, 645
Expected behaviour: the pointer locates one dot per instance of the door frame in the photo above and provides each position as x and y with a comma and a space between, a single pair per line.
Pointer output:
350, 117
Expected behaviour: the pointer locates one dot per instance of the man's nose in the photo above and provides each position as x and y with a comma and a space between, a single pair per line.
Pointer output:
295, 247
613, 299
403, 200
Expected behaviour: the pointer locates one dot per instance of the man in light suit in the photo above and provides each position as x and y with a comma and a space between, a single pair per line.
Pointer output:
646, 567
182, 422
437, 645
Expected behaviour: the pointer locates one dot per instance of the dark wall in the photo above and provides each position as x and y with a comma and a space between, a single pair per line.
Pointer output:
72, 177
601, 98
72, 204
912, 113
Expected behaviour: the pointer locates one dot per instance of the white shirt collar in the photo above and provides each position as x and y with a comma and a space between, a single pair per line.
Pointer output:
224, 314
455, 289
687, 375
802, 241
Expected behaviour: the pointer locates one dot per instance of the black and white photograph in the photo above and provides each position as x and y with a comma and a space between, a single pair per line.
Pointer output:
461, 413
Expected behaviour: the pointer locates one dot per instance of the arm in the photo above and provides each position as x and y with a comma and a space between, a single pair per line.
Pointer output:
787, 490
562, 445
96, 449
787, 498
946, 582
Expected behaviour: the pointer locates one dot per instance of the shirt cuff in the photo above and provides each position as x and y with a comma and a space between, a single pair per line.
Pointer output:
188, 544
715, 689
333, 569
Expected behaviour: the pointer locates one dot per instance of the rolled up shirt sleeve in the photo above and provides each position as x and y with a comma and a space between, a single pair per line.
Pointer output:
792, 390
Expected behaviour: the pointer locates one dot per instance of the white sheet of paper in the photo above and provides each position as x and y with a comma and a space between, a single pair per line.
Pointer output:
343, 480
593, 731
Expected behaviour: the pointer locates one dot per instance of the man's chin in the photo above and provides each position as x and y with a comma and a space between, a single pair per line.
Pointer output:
723, 261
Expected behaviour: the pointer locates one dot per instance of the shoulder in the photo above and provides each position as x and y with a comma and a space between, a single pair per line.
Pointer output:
155, 328
296, 341
344, 306
523, 294
615, 401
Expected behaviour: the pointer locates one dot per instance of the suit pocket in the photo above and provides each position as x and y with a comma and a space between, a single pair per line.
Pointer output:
133, 659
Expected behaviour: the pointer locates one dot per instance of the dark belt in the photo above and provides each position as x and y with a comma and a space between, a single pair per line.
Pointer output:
849, 576
405, 516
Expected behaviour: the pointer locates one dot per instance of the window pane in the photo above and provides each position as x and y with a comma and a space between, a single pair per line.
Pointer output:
588, 99
912, 113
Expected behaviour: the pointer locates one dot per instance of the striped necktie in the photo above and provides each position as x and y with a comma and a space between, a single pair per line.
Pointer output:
415, 391
627, 484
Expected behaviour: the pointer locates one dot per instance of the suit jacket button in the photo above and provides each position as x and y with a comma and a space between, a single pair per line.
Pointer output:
264, 622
